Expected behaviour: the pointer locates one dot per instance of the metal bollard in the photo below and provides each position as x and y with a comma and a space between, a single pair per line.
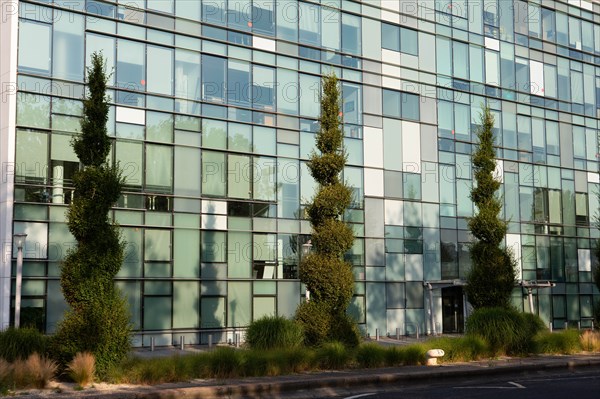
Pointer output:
550, 326
592, 325
377, 334
237, 340
181, 342
210, 340
417, 331
151, 344
566, 325
398, 334
578, 325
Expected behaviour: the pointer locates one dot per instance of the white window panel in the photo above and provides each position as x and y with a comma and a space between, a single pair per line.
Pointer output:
394, 212
390, 70
491, 68
214, 222
214, 207
411, 147
391, 83
584, 258
373, 182
536, 70
373, 147
390, 16
593, 177
262, 43
131, 115
499, 171
390, 56
492, 44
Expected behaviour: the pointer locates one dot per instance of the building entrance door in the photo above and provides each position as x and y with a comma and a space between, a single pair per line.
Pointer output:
452, 310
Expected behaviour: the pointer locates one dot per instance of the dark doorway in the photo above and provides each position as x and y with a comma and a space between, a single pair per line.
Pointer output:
452, 310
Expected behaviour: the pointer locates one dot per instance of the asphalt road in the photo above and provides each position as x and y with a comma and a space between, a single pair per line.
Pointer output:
579, 384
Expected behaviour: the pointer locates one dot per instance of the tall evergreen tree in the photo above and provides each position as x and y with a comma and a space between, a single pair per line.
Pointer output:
98, 318
492, 277
326, 274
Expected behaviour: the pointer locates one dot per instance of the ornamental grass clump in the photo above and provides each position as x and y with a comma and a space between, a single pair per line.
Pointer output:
506, 331
270, 332
20, 343
561, 342
82, 368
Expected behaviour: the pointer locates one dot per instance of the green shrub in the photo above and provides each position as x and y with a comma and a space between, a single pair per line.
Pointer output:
506, 331
225, 363
596, 311
345, 330
333, 355
274, 332
21, 343
371, 355
316, 321
563, 342
90, 331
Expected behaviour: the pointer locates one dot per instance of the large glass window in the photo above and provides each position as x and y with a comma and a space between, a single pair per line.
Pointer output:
213, 78
263, 87
159, 168
187, 75
310, 26
34, 47
263, 17
390, 37
213, 173
33, 110
352, 97
409, 41
104, 44
351, 34
330, 27
67, 45
239, 176
239, 14
32, 156
287, 21
131, 68
238, 83
160, 70
213, 11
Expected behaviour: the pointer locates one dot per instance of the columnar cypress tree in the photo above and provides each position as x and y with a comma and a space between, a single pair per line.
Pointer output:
98, 318
491, 279
326, 275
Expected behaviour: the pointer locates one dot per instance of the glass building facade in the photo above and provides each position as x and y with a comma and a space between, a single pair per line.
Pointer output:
214, 108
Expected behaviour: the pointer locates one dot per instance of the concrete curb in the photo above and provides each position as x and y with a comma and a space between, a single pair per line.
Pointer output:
348, 379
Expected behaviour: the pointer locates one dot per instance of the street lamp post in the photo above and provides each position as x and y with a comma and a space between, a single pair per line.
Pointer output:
19, 240
306, 248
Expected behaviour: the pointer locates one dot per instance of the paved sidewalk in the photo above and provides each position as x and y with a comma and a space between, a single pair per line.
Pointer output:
273, 387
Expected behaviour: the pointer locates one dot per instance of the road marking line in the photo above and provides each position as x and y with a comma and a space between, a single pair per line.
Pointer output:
360, 396
516, 385
485, 387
